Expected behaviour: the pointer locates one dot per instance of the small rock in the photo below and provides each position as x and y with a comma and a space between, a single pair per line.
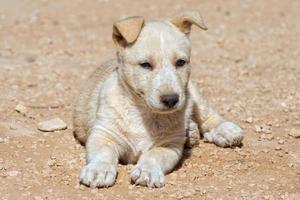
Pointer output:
27, 160
279, 154
188, 194
51, 162
251, 184
263, 129
258, 128
13, 173
249, 120
267, 129
38, 198
278, 148
295, 133
265, 150
21, 109
51, 125
267, 136
291, 165
281, 142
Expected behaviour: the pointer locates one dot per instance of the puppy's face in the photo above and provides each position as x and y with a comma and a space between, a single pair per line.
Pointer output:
156, 65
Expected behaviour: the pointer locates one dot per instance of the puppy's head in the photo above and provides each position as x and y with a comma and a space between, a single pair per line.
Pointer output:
155, 58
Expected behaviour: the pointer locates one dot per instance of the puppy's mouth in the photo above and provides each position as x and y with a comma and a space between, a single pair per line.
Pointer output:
163, 110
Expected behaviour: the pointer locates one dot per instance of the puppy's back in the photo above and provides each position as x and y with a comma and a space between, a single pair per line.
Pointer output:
86, 104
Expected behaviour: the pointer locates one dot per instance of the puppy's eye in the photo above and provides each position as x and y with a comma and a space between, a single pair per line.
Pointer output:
146, 65
180, 63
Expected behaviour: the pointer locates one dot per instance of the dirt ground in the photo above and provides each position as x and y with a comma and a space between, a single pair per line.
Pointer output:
247, 65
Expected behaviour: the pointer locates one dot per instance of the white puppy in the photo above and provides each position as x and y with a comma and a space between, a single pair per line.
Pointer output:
142, 107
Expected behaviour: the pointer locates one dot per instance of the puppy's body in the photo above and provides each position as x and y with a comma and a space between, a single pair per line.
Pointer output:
122, 113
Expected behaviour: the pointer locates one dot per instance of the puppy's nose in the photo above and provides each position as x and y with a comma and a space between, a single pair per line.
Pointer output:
170, 100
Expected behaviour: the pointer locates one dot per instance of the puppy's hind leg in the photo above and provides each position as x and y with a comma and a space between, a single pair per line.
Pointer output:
192, 133
215, 129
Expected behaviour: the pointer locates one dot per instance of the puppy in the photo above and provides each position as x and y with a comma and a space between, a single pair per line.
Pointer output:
142, 107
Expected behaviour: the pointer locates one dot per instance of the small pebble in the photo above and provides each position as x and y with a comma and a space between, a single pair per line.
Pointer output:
51, 162
21, 109
249, 120
51, 125
257, 128
295, 133
13, 173
279, 154
278, 148
267, 136
265, 150
38, 198
281, 142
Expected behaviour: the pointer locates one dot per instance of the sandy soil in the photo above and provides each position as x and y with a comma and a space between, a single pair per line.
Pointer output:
247, 65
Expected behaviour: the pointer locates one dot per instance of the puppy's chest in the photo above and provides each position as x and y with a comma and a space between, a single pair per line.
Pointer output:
145, 130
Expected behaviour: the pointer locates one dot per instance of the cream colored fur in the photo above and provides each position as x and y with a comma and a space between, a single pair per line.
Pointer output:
119, 114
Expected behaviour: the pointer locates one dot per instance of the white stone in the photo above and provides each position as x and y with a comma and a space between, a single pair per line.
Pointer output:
54, 124
295, 133
13, 173
21, 109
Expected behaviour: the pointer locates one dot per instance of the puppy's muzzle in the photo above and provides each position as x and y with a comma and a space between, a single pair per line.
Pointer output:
170, 100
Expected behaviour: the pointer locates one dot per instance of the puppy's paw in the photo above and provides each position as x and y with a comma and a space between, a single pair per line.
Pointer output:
98, 175
148, 175
226, 134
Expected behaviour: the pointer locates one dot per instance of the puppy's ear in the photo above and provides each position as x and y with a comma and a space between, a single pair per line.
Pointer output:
186, 19
126, 31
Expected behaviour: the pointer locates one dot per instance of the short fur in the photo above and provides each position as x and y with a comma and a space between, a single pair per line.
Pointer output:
119, 114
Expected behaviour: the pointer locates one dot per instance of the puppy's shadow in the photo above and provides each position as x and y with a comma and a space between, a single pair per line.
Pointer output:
186, 154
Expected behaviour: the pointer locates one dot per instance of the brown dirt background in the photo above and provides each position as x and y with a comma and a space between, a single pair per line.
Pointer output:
247, 65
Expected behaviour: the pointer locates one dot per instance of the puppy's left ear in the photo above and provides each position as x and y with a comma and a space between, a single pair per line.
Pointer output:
126, 31
186, 19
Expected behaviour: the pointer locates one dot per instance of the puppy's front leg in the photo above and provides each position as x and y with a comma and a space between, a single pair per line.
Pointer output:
154, 164
214, 128
102, 161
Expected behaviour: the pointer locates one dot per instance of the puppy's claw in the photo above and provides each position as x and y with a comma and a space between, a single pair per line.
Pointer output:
98, 175
150, 176
226, 134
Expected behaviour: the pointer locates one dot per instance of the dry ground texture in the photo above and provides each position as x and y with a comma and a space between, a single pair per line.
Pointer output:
247, 65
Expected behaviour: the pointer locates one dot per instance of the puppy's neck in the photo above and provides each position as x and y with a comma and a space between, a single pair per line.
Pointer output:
133, 95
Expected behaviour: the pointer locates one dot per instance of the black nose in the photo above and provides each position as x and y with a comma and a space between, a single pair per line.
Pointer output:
170, 100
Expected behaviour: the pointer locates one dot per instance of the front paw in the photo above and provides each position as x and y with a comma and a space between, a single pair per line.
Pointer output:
148, 175
98, 175
226, 134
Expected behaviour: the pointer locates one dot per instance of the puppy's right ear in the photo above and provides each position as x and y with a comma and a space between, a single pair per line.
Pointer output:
126, 31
